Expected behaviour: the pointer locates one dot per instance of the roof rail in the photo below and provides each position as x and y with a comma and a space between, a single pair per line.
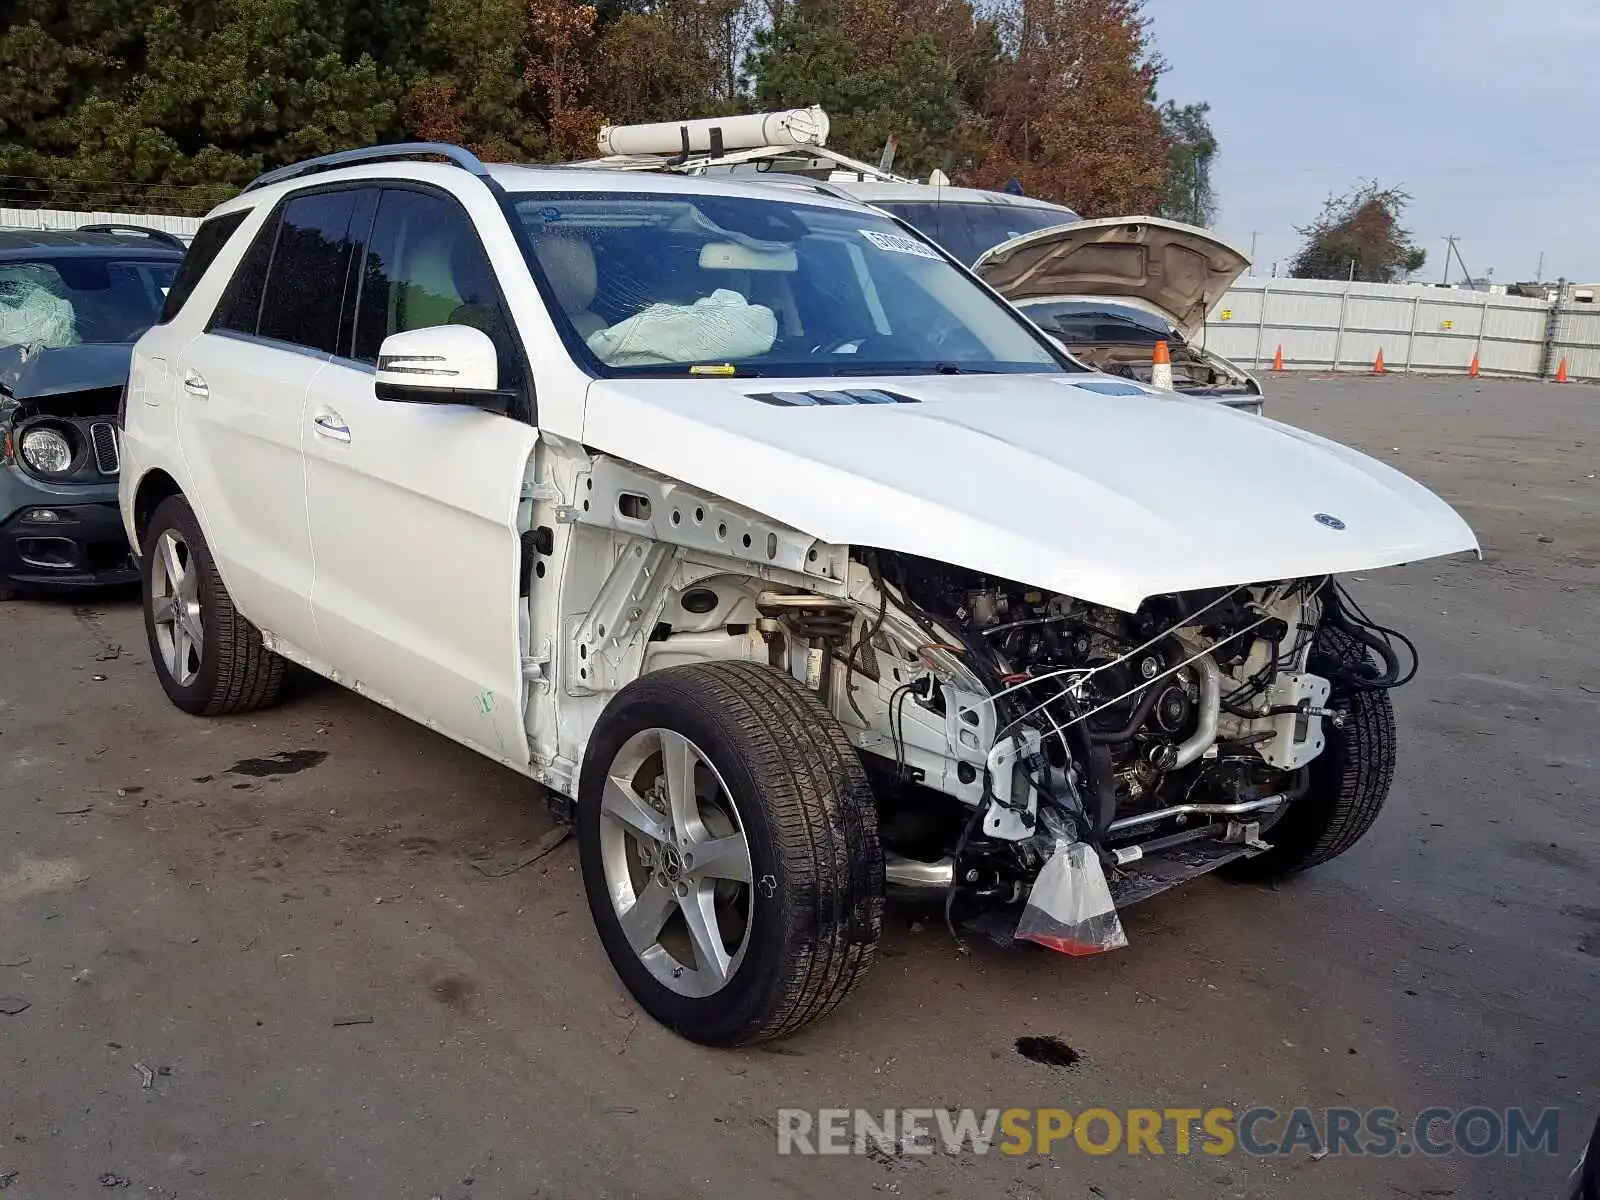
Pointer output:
396, 152
155, 235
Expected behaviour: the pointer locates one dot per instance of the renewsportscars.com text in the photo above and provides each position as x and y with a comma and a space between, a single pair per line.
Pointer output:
1258, 1132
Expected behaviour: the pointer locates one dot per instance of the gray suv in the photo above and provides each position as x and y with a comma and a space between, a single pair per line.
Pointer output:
72, 304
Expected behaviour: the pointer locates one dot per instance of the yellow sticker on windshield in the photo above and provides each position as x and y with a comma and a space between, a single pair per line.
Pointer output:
713, 369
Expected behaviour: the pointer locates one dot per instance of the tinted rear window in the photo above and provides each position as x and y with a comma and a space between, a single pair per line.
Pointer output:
208, 242
240, 308
305, 287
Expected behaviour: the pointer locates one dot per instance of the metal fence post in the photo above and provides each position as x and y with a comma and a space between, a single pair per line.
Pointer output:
1338, 340
1483, 321
1411, 334
1552, 322
1261, 321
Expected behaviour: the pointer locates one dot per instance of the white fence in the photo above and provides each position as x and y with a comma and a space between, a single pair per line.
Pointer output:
58, 218
1325, 325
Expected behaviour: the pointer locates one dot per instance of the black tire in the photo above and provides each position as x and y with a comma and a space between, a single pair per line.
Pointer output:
809, 818
1349, 781
237, 673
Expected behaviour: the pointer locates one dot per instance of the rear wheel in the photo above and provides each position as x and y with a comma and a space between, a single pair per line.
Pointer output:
1349, 781
730, 851
211, 661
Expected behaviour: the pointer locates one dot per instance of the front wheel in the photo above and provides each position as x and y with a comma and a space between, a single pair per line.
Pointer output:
209, 658
730, 851
1349, 780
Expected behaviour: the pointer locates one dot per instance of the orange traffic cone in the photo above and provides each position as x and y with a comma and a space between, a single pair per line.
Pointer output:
1561, 372
1377, 365
1161, 367
1472, 371
1277, 359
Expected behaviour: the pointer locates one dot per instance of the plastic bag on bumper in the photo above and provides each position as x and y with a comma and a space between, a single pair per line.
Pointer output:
1070, 907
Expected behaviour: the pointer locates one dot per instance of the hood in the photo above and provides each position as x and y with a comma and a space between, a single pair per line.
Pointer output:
46, 373
1080, 484
1178, 270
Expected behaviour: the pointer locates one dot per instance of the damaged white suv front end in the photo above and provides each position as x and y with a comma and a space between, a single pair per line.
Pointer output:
1078, 613
800, 568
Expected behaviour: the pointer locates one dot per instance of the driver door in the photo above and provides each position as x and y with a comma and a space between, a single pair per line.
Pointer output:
414, 506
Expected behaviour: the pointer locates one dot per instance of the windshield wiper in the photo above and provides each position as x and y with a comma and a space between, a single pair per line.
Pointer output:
938, 368
692, 370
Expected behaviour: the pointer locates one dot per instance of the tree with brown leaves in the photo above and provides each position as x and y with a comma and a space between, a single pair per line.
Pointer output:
1069, 110
1359, 236
560, 34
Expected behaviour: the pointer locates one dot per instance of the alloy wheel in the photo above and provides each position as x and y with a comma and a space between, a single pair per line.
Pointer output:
676, 861
175, 607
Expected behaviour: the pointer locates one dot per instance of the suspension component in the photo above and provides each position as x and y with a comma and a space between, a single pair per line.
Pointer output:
823, 625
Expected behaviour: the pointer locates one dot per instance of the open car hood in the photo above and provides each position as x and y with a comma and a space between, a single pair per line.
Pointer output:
1178, 270
1082, 484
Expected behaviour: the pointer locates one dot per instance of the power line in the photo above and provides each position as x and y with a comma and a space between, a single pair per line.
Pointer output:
55, 181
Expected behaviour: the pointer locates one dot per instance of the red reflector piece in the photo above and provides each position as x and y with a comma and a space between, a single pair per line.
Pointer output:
1064, 945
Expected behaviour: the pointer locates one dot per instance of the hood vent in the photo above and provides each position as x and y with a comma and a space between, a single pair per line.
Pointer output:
820, 397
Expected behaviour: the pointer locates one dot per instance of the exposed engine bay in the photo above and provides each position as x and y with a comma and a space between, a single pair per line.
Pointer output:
1012, 734
1194, 720
1191, 371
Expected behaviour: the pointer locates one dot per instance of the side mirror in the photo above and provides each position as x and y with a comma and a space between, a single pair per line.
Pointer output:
443, 364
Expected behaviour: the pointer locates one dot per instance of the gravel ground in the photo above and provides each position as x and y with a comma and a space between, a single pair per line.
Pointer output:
282, 956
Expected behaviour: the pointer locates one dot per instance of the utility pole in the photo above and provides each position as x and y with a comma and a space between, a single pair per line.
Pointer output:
1449, 249
1254, 233
1538, 272
1466, 271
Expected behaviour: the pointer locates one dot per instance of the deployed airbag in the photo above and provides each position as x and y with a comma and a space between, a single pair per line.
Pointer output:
720, 327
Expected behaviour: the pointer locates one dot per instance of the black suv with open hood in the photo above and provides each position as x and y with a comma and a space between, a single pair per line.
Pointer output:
72, 303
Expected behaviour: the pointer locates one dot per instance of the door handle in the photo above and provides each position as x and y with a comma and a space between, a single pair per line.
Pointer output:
195, 385
331, 425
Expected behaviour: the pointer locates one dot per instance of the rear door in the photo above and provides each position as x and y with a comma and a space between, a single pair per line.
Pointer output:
413, 506
241, 393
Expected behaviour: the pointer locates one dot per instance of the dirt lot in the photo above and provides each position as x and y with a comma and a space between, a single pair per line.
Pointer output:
283, 957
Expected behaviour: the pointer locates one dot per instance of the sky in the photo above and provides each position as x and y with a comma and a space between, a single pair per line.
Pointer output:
1486, 111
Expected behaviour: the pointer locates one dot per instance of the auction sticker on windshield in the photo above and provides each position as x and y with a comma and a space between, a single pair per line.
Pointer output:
898, 243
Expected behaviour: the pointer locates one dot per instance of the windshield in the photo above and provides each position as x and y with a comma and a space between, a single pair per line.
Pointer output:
1079, 321
73, 300
659, 283
970, 229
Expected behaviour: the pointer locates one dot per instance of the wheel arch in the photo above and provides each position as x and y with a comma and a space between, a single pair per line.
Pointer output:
155, 487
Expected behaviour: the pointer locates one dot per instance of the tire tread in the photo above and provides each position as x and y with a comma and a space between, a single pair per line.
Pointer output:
1349, 782
822, 815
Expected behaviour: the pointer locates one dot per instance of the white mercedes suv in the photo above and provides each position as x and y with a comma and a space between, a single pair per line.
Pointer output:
791, 561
